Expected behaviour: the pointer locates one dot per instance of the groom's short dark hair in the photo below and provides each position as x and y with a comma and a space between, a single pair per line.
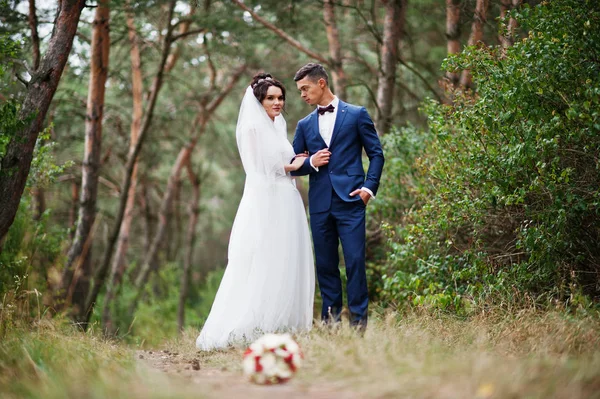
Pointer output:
313, 71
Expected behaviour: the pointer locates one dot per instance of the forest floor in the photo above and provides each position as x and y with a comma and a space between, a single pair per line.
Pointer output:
526, 354
511, 353
220, 382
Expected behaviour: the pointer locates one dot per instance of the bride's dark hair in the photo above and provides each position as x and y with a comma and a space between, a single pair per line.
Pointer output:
260, 85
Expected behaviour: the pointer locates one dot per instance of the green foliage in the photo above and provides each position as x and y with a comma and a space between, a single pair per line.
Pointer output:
33, 246
155, 317
507, 198
399, 188
9, 50
44, 169
9, 110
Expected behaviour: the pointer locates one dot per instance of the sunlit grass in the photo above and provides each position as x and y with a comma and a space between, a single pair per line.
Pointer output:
529, 354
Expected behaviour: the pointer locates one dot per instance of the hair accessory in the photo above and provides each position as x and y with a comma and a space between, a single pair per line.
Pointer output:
263, 79
259, 81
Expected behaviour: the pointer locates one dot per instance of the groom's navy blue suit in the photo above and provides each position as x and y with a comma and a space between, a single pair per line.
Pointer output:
334, 214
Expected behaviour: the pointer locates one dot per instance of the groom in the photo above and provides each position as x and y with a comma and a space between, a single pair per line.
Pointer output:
334, 135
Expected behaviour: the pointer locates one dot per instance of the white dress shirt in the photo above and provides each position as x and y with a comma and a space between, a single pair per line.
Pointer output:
326, 124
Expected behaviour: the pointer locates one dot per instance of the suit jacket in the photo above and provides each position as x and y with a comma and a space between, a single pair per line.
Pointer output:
353, 131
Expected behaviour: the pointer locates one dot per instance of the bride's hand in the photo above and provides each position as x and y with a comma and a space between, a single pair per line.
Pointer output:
299, 161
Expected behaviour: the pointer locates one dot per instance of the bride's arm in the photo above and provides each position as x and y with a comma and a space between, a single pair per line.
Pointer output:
296, 163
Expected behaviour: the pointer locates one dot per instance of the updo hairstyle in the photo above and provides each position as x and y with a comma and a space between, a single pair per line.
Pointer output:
261, 83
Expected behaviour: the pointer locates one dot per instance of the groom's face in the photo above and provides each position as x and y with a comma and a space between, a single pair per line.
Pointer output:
311, 91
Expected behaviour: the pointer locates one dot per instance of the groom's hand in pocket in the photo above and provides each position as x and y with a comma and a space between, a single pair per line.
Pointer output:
364, 196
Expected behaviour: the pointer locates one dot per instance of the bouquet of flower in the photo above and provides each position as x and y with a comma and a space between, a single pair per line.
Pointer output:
272, 359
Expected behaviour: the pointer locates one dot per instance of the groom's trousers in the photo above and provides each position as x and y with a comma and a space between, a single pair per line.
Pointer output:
345, 222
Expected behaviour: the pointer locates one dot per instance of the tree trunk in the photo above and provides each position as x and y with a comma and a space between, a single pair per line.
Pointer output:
77, 272
335, 50
73, 208
507, 37
479, 19
35, 39
39, 202
393, 29
453, 34
194, 210
15, 165
118, 264
101, 272
148, 217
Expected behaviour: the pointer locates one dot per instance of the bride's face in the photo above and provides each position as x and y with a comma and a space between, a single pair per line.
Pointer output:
273, 102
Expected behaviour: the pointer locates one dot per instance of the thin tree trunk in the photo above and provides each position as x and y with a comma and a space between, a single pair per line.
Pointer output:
118, 264
148, 218
335, 50
15, 165
453, 34
194, 210
74, 202
479, 19
393, 29
175, 243
507, 37
35, 39
39, 204
77, 272
101, 272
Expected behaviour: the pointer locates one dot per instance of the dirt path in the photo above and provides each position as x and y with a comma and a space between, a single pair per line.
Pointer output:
222, 383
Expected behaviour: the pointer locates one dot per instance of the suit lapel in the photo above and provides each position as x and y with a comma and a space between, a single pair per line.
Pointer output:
339, 120
314, 121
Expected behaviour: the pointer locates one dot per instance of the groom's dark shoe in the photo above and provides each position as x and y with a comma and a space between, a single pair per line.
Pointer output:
359, 324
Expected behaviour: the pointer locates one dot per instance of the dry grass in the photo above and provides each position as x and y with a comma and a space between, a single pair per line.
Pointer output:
529, 354
53, 360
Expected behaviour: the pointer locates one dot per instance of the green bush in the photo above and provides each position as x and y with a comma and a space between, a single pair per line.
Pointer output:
506, 186
32, 247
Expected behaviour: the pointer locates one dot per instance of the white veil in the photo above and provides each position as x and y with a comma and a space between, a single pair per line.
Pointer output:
262, 143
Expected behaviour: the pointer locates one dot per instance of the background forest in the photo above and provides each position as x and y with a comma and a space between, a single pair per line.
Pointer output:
117, 125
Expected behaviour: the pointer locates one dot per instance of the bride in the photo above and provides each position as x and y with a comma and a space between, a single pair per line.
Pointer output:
269, 281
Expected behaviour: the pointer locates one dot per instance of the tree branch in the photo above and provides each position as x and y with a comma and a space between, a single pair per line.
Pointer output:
191, 32
293, 42
211, 66
371, 93
234, 79
413, 70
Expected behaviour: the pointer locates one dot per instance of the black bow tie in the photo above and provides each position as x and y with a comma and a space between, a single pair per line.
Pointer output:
322, 110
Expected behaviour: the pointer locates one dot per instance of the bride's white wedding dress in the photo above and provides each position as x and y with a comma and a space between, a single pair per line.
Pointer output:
269, 281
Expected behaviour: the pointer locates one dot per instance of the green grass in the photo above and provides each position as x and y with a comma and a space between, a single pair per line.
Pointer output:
54, 360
